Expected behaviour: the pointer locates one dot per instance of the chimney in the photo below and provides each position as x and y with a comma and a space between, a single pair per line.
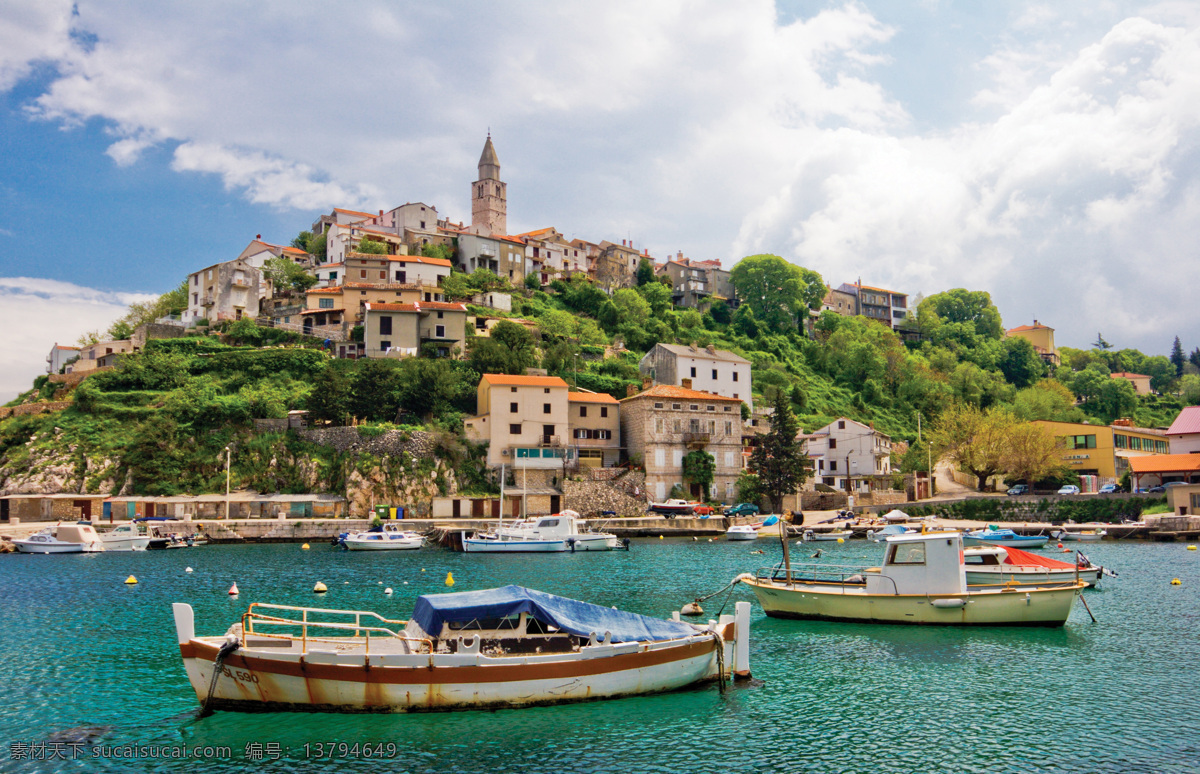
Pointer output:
646, 252
685, 383
712, 350
381, 214
647, 382
257, 237
631, 390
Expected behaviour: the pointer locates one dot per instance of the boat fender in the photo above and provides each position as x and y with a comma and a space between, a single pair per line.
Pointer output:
388, 591
571, 543
744, 577
691, 608
1191, 548
949, 603
188, 569
625, 542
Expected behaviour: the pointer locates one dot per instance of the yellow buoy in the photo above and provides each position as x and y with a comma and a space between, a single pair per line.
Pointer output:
1176, 582
319, 588
660, 537
841, 540
1191, 548
449, 579
304, 547
131, 581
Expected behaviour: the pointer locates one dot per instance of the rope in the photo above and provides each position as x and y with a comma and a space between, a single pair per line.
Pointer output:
720, 644
218, 664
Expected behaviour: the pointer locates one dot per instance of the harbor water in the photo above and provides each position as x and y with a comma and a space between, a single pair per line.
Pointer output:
90, 665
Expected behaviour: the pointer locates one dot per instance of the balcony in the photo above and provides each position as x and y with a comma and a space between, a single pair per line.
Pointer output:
239, 283
695, 440
549, 441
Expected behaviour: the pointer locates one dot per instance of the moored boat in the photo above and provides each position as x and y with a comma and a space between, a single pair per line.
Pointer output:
811, 535
505, 647
546, 534
1084, 535
922, 580
391, 537
750, 531
62, 539
877, 536
994, 536
672, 508
997, 565
126, 537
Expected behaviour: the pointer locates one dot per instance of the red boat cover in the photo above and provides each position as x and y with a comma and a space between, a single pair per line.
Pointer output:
1019, 557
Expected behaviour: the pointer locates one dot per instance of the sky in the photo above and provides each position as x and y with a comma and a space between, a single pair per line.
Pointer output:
1047, 153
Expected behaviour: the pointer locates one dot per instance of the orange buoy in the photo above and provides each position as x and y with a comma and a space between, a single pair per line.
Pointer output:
233, 590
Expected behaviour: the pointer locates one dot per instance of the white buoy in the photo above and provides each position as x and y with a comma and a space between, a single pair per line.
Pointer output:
188, 569
405, 583
233, 590
388, 591
319, 588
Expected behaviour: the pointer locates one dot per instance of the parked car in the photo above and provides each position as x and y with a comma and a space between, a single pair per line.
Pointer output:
1164, 487
742, 509
703, 510
1019, 489
1069, 489
1110, 489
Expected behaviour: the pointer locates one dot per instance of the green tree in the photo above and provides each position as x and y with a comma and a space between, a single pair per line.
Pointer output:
720, 312
631, 307
444, 252
973, 440
171, 303
373, 390
781, 294
367, 246
507, 350
532, 281
286, 275
779, 460
1020, 362
749, 487
645, 271
1189, 389
1031, 454
972, 308
698, 468
1049, 400
658, 296
313, 245
1177, 356
1194, 358
1101, 344
329, 400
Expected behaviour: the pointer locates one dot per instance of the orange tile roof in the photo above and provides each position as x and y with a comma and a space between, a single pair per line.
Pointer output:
591, 397
324, 290
419, 306
319, 311
328, 265
671, 391
294, 250
355, 212
1038, 327
60, 346
1127, 375
882, 290
1165, 463
508, 380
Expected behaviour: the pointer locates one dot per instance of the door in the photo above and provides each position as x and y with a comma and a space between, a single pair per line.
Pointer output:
85, 509
547, 434
3, 510
554, 503
477, 508
106, 511
456, 508
495, 509
516, 507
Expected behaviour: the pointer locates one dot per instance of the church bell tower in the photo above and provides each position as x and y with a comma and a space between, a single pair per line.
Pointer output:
489, 196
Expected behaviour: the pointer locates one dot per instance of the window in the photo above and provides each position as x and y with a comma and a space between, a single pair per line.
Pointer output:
694, 407
362, 273
727, 409
332, 276
714, 373
383, 275
735, 376
694, 426
710, 408
658, 425
385, 345
677, 425
546, 390
832, 443
833, 465
512, 408
728, 427
841, 424
439, 331
385, 326
545, 408
1088, 442
583, 411
658, 405
603, 412
400, 276
660, 457
676, 406
712, 427
514, 429
693, 371
512, 389
325, 303
907, 553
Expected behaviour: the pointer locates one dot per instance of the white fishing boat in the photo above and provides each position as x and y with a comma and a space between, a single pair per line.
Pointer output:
997, 565
1083, 535
995, 536
62, 539
506, 647
545, 534
922, 580
810, 535
126, 537
392, 537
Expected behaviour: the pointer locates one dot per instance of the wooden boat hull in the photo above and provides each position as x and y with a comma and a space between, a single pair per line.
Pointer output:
1045, 606
1001, 574
262, 677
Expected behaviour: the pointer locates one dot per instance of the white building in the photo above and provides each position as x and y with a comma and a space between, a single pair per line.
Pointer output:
1184, 432
706, 369
851, 456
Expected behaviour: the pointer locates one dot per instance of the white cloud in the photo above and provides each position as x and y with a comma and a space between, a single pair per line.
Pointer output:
36, 314
31, 33
710, 127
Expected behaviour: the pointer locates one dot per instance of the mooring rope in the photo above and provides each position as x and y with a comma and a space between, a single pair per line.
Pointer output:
720, 643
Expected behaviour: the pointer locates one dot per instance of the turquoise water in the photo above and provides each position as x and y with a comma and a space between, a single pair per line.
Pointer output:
83, 656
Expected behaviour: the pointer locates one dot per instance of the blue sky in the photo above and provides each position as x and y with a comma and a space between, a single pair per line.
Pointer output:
1045, 152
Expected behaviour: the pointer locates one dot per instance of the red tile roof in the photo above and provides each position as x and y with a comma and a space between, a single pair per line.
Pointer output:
1165, 463
1038, 327
1186, 423
591, 397
356, 212
670, 391
508, 380
1127, 375
294, 251
419, 306
332, 290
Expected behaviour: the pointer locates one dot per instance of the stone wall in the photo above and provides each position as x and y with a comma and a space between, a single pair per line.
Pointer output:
392, 443
74, 378
32, 408
591, 498
151, 331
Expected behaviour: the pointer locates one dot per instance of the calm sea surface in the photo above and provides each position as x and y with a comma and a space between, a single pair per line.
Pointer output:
85, 658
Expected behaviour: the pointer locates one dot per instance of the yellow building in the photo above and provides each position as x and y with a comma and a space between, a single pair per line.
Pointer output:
1104, 451
1040, 336
1140, 382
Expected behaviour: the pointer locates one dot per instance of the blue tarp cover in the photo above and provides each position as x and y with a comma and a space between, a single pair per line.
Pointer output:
569, 615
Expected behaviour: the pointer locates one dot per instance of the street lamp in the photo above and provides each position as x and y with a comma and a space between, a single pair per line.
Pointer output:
228, 454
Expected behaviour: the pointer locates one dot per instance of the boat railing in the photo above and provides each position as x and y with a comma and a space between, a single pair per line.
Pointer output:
831, 574
263, 619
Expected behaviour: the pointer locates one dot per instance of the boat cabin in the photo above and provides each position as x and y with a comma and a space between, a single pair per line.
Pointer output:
920, 563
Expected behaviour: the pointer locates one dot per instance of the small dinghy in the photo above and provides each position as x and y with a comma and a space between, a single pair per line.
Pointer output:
505, 647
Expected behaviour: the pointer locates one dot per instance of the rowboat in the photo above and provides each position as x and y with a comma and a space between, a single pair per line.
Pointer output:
991, 565
62, 539
994, 536
922, 580
561, 532
505, 647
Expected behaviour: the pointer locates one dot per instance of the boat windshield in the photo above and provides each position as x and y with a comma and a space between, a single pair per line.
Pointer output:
907, 553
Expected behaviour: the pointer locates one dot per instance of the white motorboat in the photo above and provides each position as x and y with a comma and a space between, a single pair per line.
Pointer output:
126, 537
391, 538
506, 647
62, 539
921, 580
1085, 535
995, 536
810, 535
672, 508
742, 532
561, 532
993, 565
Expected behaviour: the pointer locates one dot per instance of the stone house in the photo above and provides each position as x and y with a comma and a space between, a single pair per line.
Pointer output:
91, 355
1140, 382
224, 291
707, 369
885, 306
696, 282
616, 265
851, 456
594, 422
504, 256
400, 330
664, 423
